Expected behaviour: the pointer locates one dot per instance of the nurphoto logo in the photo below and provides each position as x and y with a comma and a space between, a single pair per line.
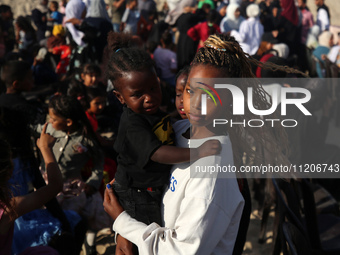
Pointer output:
280, 95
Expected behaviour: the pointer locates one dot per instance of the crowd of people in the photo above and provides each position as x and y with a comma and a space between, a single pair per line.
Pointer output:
112, 79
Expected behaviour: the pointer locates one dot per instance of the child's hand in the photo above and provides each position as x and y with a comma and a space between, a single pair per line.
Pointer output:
45, 141
111, 204
211, 147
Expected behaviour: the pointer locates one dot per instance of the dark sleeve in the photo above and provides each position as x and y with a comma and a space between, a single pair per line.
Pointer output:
135, 142
141, 142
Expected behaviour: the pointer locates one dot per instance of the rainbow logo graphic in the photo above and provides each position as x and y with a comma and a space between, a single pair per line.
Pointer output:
204, 97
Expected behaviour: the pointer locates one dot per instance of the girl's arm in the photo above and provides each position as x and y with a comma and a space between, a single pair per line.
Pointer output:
167, 154
202, 224
35, 200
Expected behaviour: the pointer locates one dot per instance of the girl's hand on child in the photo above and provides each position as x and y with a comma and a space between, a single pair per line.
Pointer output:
45, 141
208, 148
111, 205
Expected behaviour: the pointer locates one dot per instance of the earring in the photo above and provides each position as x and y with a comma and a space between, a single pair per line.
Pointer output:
231, 105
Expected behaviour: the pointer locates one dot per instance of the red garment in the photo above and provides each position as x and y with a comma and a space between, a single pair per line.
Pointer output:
110, 166
201, 32
290, 11
93, 120
65, 52
264, 59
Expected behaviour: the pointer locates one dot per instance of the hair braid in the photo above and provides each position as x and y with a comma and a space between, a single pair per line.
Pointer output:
125, 57
224, 52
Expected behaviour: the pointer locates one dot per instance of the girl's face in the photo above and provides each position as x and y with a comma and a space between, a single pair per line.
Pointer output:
193, 94
97, 105
140, 91
180, 84
58, 122
90, 79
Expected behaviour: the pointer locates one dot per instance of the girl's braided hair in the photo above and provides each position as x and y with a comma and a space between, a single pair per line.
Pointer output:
224, 52
125, 57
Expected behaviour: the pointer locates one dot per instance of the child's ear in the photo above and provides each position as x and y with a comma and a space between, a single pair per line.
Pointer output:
69, 122
82, 75
16, 85
119, 96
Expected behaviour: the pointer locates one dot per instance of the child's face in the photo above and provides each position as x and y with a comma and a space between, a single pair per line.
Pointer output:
192, 97
140, 91
53, 7
90, 79
58, 122
97, 105
180, 84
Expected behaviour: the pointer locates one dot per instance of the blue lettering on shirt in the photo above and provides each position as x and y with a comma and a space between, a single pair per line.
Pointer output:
173, 182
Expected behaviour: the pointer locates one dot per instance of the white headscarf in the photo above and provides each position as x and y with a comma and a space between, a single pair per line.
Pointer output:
74, 9
230, 22
253, 11
324, 38
97, 9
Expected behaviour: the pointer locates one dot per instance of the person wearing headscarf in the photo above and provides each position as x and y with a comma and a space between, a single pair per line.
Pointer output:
222, 12
325, 44
203, 30
243, 7
287, 30
75, 11
186, 47
176, 9
312, 37
334, 53
210, 2
232, 20
251, 31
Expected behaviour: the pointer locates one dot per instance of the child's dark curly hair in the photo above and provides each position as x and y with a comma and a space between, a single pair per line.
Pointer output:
125, 57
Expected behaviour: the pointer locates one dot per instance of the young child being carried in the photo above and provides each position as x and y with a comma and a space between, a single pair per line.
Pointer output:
145, 137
